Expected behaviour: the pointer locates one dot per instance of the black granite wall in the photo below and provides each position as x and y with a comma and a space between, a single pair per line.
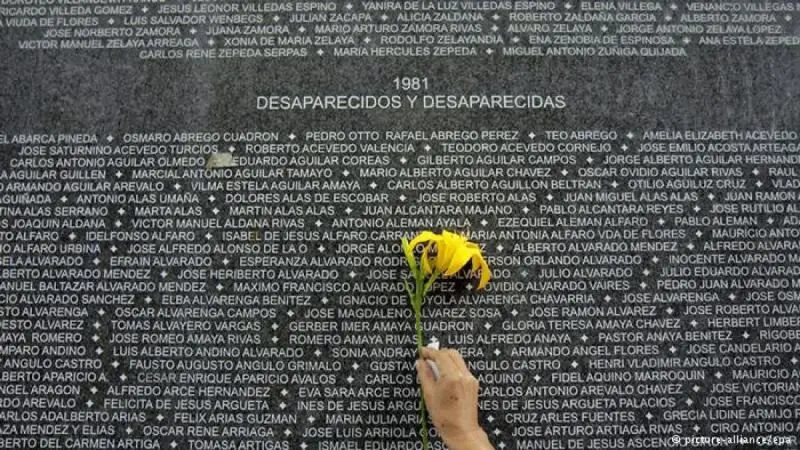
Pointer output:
188, 262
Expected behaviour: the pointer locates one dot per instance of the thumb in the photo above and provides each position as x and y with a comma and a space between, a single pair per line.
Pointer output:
426, 377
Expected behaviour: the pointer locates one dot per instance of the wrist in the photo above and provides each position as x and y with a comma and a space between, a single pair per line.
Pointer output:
476, 439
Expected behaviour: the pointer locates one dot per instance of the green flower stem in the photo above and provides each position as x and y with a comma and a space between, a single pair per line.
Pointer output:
417, 299
418, 327
428, 285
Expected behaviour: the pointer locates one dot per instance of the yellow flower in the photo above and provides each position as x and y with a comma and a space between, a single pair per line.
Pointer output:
453, 252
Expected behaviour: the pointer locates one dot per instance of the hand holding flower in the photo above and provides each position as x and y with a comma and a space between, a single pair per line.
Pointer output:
443, 256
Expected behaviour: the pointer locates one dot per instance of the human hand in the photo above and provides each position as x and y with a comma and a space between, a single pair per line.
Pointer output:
452, 399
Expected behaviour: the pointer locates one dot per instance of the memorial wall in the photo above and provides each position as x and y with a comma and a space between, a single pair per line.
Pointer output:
202, 205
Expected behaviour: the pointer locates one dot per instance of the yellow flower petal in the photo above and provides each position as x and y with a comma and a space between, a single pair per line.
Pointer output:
441, 252
425, 260
448, 246
485, 274
477, 256
476, 262
461, 257
441, 258
425, 236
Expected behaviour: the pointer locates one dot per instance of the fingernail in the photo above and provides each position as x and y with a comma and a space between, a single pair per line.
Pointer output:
416, 364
